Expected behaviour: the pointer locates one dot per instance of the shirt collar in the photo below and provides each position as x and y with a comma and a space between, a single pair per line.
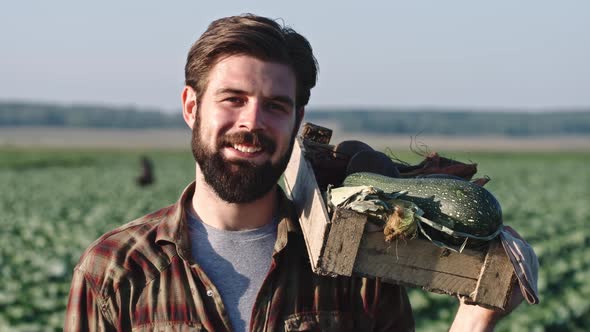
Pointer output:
174, 228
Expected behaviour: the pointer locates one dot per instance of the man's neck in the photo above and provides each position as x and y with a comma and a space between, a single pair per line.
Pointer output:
215, 212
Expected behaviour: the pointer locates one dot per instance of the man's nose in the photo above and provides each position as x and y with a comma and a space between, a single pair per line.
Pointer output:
252, 116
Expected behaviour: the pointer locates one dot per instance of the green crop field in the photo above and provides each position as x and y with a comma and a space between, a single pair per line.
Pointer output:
54, 203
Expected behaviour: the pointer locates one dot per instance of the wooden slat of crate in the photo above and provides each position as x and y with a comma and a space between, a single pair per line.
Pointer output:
301, 185
419, 263
484, 277
340, 246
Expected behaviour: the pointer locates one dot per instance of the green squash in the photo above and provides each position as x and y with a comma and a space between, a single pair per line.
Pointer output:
464, 208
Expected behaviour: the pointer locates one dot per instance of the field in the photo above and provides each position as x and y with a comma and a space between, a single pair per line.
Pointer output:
54, 203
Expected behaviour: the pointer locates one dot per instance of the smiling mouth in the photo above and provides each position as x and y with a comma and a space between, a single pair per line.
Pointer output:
247, 148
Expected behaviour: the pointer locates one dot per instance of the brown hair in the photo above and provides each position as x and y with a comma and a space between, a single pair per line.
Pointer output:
255, 36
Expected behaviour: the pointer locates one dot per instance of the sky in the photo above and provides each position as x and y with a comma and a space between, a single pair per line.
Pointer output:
528, 55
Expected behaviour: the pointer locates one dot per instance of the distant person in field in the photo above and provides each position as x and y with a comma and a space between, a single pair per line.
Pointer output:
146, 176
229, 255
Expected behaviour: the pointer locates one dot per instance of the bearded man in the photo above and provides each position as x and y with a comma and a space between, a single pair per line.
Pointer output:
229, 254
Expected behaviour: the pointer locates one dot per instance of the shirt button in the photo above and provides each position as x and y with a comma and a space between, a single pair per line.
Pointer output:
209, 292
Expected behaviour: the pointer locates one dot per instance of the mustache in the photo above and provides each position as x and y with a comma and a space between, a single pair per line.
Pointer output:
255, 138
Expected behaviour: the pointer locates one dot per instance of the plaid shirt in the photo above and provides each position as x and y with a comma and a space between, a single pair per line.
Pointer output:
142, 277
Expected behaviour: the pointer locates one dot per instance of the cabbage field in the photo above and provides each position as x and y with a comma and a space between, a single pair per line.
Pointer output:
54, 203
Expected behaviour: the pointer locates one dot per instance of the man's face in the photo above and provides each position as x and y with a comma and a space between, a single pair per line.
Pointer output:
245, 127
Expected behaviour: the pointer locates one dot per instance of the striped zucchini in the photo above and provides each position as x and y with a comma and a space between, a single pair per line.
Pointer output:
456, 204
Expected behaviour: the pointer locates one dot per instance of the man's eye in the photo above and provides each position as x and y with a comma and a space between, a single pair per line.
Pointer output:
277, 107
235, 100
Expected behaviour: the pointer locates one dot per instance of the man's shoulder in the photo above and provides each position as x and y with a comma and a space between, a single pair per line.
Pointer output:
126, 254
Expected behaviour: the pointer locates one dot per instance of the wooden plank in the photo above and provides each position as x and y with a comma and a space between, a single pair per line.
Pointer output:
315, 151
316, 133
300, 183
342, 244
496, 279
419, 263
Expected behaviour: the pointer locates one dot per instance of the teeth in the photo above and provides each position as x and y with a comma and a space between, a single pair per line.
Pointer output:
247, 149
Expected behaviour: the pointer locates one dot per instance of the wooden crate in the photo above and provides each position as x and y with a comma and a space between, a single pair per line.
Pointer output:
342, 246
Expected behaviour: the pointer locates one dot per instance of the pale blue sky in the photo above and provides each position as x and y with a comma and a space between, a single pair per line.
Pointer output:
469, 54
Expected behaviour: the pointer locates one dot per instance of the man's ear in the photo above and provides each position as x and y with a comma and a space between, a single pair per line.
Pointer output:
299, 117
189, 105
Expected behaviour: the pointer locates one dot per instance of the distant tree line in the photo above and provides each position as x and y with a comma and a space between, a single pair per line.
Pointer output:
14, 114
413, 122
457, 122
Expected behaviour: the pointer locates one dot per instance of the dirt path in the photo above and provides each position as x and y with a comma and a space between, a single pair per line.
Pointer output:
180, 139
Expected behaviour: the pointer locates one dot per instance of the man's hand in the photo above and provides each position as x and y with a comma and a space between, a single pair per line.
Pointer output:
475, 318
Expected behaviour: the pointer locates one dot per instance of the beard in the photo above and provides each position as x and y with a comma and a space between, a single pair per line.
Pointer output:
239, 181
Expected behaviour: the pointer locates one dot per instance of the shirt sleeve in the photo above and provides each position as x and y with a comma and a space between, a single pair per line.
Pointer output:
84, 311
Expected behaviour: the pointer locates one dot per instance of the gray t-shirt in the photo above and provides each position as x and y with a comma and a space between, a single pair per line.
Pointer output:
236, 262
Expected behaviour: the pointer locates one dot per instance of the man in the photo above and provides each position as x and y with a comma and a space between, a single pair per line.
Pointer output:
229, 255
